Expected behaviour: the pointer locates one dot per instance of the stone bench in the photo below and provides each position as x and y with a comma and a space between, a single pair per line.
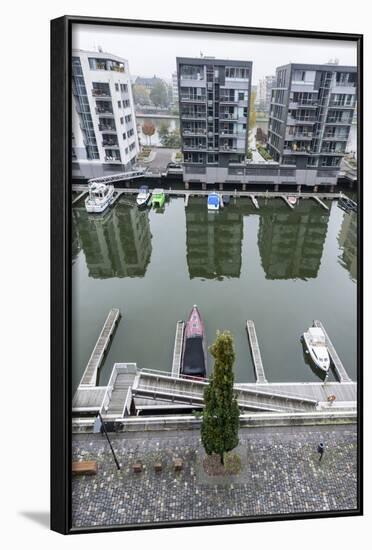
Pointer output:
84, 468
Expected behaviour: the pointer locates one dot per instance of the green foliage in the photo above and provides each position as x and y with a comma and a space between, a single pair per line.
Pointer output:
141, 95
264, 152
167, 138
220, 426
159, 94
249, 154
252, 111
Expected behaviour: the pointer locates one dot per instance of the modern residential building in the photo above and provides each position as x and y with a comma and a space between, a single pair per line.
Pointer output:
311, 112
214, 99
175, 97
103, 119
263, 96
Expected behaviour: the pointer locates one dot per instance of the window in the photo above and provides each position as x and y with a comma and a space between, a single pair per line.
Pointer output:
240, 73
116, 87
119, 104
121, 120
124, 135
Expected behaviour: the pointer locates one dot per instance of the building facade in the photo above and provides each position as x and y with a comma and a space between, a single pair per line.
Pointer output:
175, 98
104, 139
263, 96
214, 100
311, 112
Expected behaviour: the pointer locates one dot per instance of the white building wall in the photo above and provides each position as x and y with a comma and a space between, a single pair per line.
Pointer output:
111, 78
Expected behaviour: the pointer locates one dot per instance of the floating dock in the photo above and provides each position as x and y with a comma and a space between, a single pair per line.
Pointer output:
342, 375
177, 352
80, 196
89, 377
256, 353
255, 202
317, 199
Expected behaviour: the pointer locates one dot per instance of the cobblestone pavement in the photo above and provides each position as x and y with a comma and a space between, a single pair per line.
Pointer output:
281, 474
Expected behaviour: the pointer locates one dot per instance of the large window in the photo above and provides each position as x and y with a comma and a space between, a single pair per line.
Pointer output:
237, 73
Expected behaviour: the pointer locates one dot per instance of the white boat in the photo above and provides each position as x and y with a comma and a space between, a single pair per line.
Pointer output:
100, 197
316, 344
143, 196
292, 200
213, 201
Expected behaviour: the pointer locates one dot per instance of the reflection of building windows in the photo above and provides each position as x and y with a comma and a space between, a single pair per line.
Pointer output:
214, 245
347, 239
291, 243
117, 245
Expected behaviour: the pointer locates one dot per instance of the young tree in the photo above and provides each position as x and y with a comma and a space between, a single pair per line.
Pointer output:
148, 129
163, 133
220, 426
159, 94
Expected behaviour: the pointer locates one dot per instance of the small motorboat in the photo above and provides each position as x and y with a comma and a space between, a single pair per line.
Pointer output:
316, 345
194, 352
143, 196
226, 199
158, 198
100, 197
213, 202
292, 200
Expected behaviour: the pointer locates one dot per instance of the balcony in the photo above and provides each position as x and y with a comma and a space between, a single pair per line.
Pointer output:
340, 106
194, 99
309, 120
195, 132
100, 94
228, 116
189, 147
228, 101
297, 151
111, 159
303, 104
107, 143
193, 116
104, 111
343, 137
106, 128
307, 136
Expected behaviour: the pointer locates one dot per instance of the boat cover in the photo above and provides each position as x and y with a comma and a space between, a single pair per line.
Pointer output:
317, 334
214, 200
193, 359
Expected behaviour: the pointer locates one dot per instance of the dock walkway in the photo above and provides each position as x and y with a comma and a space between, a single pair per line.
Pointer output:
159, 385
89, 377
177, 352
256, 353
339, 367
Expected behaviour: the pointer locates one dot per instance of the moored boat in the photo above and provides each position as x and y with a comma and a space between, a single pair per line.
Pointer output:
292, 200
143, 196
194, 354
158, 198
315, 342
213, 202
100, 197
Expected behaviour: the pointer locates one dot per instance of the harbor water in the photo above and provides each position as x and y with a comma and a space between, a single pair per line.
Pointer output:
282, 268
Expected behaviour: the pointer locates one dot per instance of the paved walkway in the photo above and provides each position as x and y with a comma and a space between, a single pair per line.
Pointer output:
281, 473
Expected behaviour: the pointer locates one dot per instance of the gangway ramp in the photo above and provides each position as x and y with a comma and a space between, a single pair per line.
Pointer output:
153, 385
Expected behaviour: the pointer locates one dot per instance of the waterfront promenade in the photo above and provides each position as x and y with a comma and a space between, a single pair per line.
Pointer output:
281, 473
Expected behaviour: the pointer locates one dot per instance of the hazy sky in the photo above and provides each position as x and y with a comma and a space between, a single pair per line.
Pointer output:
152, 52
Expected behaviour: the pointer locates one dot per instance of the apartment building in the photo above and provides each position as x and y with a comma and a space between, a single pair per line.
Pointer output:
311, 112
104, 139
214, 99
175, 97
263, 96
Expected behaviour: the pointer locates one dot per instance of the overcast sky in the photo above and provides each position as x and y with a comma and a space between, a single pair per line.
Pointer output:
152, 52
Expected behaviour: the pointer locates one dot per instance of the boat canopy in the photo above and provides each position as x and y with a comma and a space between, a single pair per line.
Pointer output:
193, 360
213, 199
317, 335
143, 189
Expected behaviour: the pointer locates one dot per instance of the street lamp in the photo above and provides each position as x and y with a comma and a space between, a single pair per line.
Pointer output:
99, 425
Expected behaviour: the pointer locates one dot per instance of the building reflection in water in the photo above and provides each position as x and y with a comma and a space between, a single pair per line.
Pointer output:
115, 244
213, 241
291, 241
347, 240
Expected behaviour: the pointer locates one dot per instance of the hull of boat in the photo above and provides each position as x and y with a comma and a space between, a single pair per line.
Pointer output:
143, 202
311, 349
194, 354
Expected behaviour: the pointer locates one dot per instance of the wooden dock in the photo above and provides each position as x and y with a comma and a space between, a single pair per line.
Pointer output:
80, 196
256, 353
255, 202
285, 199
89, 377
187, 200
317, 199
339, 367
177, 352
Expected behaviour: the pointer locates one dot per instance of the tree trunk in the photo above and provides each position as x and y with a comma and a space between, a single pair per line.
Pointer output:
222, 459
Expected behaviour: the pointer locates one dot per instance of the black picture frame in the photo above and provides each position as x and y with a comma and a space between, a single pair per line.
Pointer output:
60, 481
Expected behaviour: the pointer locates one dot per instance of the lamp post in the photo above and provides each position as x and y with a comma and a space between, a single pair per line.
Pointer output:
99, 425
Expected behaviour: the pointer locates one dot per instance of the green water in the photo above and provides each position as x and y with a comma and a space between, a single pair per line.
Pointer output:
280, 267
